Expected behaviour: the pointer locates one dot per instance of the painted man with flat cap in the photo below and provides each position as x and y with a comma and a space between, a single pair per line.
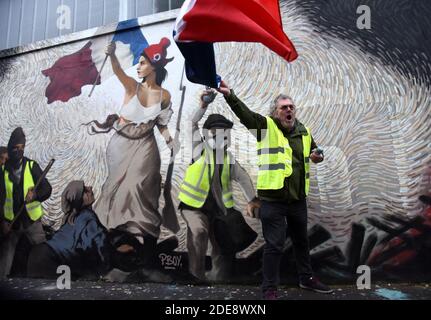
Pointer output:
207, 191
17, 187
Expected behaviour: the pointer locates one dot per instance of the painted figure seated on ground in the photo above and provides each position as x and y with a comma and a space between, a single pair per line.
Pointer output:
82, 243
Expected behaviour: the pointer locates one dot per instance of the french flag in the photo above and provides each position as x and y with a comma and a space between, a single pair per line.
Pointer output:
70, 73
200, 23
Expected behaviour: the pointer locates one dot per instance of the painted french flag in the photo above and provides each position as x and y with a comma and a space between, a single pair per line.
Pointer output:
70, 73
200, 23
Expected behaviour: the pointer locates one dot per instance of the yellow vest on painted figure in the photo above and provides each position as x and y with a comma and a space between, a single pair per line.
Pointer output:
34, 209
275, 158
196, 185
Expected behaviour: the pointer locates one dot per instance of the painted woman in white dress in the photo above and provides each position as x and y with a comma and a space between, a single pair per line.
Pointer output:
130, 194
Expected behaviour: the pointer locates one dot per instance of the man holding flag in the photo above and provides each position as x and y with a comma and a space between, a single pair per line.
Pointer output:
284, 144
284, 148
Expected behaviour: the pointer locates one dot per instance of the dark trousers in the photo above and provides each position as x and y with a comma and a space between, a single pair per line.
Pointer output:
277, 218
43, 262
35, 234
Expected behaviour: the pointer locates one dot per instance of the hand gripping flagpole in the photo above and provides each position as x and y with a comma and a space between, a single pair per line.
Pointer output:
170, 220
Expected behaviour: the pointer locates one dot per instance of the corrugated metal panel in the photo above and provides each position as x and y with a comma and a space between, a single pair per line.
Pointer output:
14, 23
145, 7
4, 22
71, 4
96, 13
82, 15
39, 31
162, 5
111, 11
52, 30
131, 6
27, 21
28, 14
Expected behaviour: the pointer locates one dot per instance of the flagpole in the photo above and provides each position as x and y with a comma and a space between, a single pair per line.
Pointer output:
122, 16
169, 208
98, 76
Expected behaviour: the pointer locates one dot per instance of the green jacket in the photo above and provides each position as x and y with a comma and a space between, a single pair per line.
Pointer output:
294, 188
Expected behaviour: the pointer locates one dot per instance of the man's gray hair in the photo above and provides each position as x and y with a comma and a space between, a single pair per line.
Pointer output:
273, 106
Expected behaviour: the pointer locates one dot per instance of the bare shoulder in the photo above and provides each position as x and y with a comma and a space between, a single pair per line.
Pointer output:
166, 98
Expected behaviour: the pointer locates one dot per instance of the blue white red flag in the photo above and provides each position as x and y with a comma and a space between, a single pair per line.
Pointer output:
71, 72
203, 22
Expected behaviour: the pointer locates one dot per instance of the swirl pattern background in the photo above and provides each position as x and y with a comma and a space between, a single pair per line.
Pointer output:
366, 98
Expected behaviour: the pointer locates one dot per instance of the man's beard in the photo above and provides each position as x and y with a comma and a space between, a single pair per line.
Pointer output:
288, 124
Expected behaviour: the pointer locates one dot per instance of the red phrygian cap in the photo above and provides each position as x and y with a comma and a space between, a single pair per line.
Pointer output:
157, 53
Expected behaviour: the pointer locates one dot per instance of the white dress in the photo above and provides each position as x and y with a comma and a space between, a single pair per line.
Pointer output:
132, 189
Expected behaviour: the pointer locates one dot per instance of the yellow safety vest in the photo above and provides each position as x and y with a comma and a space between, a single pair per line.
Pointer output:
34, 209
275, 158
196, 185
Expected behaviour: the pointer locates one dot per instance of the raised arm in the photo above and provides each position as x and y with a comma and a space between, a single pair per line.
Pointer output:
251, 120
197, 145
128, 82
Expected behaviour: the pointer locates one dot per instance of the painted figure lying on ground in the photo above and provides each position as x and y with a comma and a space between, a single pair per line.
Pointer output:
130, 194
22, 189
206, 193
82, 243
409, 245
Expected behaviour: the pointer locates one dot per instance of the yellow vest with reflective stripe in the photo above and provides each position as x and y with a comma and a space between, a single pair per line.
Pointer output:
275, 158
34, 209
196, 185
306, 150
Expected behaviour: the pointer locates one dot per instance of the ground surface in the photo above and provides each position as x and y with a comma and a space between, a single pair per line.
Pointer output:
18, 288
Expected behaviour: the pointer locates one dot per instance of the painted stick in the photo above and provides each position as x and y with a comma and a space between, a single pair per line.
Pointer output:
98, 76
21, 210
169, 216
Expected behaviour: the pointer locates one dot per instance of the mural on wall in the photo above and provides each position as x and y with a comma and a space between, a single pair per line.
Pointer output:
364, 93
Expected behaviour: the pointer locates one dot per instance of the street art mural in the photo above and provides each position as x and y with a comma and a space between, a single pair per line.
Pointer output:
365, 94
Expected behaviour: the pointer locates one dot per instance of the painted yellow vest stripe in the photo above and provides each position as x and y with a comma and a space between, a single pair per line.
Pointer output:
34, 209
196, 185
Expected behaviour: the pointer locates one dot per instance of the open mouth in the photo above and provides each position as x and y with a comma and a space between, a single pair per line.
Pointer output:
289, 117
